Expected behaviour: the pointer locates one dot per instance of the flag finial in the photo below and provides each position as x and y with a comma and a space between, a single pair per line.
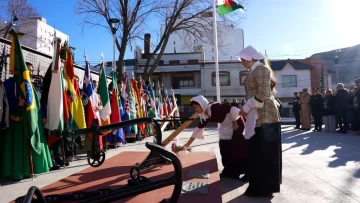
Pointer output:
102, 56
85, 55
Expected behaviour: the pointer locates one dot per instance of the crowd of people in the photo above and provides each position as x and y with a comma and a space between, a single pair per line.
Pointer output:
336, 110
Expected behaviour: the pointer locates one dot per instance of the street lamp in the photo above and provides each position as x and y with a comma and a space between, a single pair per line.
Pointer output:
114, 28
10, 24
336, 55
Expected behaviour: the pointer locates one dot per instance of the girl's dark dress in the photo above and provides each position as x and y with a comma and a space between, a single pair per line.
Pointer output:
233, 146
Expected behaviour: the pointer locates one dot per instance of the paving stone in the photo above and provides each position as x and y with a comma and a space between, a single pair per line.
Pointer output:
199, 174
195, 188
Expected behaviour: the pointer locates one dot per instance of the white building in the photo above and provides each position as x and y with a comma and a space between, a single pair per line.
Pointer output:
291, 76
230, 40
190, 75
39, 36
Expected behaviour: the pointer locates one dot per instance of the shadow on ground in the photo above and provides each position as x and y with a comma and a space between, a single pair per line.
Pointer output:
343, 146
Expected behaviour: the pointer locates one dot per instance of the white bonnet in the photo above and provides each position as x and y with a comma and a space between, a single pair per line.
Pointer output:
203, 103
250, 53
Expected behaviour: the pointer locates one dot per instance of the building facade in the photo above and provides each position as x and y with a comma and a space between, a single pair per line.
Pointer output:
38, 35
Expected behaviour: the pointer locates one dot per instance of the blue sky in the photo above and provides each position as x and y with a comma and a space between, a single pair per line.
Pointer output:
284, 28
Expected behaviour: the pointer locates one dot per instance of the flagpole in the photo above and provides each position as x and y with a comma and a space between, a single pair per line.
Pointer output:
216, 53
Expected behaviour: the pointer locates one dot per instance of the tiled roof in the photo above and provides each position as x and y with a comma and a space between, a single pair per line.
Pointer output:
279, 65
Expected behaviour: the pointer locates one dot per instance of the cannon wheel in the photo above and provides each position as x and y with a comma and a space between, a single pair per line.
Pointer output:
96, 159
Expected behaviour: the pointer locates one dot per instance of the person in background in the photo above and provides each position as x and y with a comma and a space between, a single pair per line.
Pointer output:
243, 102
327, 111
357, 112
305, 110
353, 106
300, 95
235, 103
279, 106
342, 101
4, 118
296, 109
316, 103
226, 102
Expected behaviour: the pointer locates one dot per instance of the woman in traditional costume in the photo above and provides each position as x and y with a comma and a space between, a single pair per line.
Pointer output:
263, 128
233, 146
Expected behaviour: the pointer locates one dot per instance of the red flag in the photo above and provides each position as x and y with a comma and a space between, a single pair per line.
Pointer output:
69, 64
115, 111
90, 115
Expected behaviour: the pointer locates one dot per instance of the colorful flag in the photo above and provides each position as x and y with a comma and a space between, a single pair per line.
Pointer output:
90, 114
132, 107
138, 101
228, 6
124, 97
104, 97
76, 109
26, 141
55, 105
88, 85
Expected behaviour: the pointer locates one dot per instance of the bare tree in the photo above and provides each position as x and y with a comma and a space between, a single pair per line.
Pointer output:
131, 13
15, 10
188, 19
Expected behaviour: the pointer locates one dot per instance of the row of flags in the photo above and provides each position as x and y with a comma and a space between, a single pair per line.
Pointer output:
64, 105
135, 100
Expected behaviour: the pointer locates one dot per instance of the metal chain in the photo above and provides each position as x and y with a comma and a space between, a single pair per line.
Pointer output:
83, 195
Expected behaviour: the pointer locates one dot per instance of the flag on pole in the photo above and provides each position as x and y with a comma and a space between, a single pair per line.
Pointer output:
228, 6
117, 136
124, 98
132, 107
30, 111
55, 107
76, 109
26, 152
88, 85
90, 113
138, 100
104, 97
152, 99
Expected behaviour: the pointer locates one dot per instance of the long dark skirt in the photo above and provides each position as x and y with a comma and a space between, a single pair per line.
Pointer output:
265, 160
234, 155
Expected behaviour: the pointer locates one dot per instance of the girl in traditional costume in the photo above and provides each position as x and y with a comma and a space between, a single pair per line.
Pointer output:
263, 128
233, 146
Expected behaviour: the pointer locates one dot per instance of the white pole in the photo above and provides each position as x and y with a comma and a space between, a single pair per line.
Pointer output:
216, 54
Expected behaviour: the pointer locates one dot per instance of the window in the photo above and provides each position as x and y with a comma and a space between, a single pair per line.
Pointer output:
224, 78
289, 81
193, 61
155, 78
179, 81
242, 76
174, 62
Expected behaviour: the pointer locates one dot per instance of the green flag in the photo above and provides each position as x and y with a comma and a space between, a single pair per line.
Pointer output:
104, 96
26, 91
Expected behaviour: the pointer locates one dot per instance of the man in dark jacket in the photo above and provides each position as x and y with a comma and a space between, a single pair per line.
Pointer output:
316, 106
296, 109
357, 112
342, 100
